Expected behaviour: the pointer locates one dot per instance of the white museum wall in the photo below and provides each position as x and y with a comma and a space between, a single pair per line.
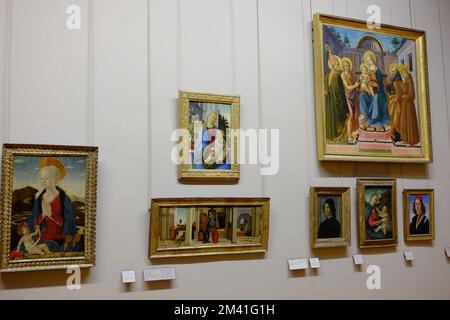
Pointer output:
114, 84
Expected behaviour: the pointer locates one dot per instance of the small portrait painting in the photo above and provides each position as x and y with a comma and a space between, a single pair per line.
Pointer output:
419, 214
377, 212
329, 216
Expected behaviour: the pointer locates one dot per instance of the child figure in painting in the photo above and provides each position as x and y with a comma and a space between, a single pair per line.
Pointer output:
366, 80
384, 215
31, 246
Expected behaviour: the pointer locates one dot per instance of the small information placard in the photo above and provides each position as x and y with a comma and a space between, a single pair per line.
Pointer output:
447, 252
158, 274
298, 264
314, 263
128, 276
358, 259
409, 256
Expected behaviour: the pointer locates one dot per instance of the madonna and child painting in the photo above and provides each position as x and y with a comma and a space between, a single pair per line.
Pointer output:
48, 204
371, 95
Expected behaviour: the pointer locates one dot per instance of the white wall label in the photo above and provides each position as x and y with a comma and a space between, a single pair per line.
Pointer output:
128, 276
156, 274
314, 263
409, 256
297, 264
358, 259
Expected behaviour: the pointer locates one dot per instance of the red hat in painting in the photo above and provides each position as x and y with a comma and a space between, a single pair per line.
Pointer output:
419, 197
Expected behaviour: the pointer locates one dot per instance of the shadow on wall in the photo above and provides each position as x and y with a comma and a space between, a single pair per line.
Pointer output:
329, 253
363, 169
39, 279
207, 259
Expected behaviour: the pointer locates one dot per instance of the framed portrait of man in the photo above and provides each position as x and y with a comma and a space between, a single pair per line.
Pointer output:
418, 206
329, 217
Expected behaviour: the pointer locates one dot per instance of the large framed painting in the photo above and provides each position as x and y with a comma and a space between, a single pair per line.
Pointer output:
48, 207
418, 207
206, 226
371, 92
209, 146
329, 217
377, 212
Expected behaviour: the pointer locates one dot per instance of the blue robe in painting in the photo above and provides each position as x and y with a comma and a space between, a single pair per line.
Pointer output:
207, 138
375, 108
69, 225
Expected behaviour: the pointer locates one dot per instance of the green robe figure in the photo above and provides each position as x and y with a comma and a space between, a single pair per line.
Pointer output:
336, 107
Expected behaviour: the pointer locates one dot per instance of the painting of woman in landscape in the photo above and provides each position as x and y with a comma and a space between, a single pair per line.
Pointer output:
45, 214
48, 207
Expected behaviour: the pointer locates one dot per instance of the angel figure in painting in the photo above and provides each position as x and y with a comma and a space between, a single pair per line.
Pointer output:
29, 241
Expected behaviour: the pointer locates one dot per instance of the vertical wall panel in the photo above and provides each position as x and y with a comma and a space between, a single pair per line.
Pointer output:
318, 171
207, 52
48, 91
283, 97
206, 56
5, 24
427, 18
444, 10
121, 131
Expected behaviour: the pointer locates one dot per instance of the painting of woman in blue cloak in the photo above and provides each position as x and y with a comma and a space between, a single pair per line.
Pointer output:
375, 107
52, 221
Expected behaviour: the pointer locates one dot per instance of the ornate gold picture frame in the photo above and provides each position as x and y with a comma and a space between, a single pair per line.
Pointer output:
377, 212
418, 214
330, 224
48, 207
208, 226
209, 146
371, 92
